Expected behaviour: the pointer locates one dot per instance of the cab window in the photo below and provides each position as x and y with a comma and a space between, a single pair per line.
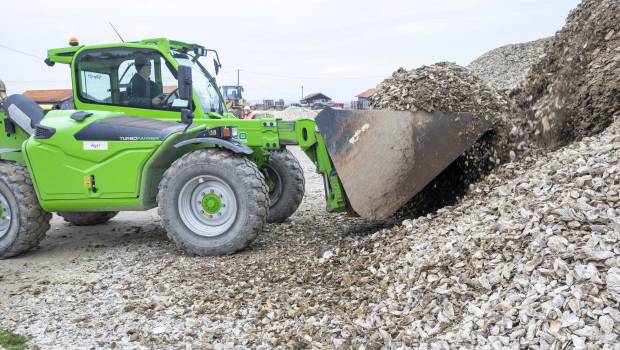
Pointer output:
138, 78
96, 86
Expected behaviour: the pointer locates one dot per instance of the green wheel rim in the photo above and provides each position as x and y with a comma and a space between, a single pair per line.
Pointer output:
211, 203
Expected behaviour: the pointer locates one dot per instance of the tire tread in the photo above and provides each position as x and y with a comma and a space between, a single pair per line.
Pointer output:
245, 170
34, 222
292, 195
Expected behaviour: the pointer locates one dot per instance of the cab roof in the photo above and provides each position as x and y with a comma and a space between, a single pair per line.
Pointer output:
65, 54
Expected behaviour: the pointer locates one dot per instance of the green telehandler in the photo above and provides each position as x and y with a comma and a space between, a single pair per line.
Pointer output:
151, 129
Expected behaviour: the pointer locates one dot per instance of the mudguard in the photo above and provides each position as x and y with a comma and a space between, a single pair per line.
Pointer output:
234, 147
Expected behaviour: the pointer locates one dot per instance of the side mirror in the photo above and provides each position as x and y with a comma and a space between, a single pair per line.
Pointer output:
185, 83
217, 66
185, 93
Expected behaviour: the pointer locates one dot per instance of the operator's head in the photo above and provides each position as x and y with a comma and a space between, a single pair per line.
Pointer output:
143, 67
247, 110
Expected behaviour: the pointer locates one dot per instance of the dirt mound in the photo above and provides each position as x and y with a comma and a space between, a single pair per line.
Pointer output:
448, 87
504, 68
574, 91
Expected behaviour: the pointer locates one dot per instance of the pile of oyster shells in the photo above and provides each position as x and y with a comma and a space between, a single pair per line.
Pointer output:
574, 90
443, 86
505, 67
531, 258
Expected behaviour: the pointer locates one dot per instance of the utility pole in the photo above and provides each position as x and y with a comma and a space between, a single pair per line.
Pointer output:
302, 92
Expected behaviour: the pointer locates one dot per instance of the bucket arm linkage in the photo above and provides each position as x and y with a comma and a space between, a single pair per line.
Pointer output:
304, 132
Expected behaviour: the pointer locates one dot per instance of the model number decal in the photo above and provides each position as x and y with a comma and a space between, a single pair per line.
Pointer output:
138, 138
95, 145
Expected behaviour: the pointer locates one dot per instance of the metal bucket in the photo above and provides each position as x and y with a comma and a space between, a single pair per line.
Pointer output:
384, 158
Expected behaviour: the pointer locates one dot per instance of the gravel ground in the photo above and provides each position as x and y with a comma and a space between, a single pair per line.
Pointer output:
124, 284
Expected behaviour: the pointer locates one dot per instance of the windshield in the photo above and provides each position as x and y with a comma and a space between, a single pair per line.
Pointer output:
203, 86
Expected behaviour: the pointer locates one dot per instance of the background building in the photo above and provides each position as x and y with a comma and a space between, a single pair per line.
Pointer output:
362, 100
52, 99
316, 98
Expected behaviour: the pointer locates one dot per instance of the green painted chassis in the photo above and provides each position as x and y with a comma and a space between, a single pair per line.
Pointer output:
260, 138
261, 135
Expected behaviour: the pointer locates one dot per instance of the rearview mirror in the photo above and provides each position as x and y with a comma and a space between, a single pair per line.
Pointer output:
185, 83
217, 66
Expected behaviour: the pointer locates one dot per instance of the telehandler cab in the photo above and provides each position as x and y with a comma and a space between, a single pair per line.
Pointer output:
171, 143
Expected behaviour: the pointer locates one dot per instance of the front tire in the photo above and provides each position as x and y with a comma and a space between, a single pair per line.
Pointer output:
23, 223
213, 202
285, 178
86, 218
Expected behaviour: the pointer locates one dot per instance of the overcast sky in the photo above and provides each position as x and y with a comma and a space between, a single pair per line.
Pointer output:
339, 48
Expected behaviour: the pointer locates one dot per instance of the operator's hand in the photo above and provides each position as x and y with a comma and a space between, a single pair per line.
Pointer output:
156, 101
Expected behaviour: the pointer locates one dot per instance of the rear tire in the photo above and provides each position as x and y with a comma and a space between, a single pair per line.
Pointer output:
287, 185
87, 218
213, 202
23, 223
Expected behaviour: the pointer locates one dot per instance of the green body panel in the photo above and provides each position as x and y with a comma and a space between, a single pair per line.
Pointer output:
67, 176
59, 164
126, 174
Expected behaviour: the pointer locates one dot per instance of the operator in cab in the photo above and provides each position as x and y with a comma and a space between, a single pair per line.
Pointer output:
142, 91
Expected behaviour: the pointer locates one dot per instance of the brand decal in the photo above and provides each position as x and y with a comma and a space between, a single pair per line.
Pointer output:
95, 145
138, 138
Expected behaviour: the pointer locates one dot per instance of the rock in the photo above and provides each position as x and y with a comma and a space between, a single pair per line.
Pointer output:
557, 244
159, 329
613, 280
606, 323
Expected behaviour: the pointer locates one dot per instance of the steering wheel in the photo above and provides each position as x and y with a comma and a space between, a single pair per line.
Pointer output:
166, 101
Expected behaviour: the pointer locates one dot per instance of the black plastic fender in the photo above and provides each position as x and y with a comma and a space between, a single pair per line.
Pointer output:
233, 146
